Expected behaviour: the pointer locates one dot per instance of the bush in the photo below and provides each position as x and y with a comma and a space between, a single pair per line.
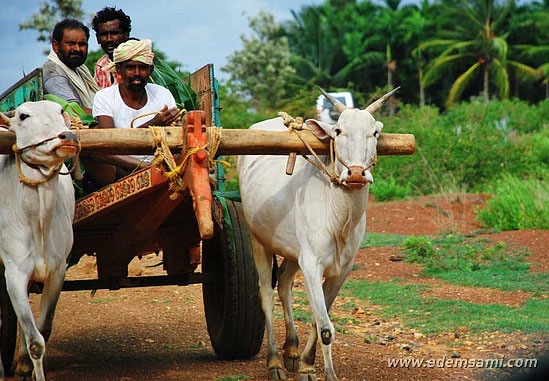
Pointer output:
389, 189
419, 249
468, 146
518, 204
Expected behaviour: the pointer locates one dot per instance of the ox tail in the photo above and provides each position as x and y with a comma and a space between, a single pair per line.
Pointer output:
275, 272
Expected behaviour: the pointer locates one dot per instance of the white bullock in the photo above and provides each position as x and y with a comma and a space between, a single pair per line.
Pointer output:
36, 214
314, 223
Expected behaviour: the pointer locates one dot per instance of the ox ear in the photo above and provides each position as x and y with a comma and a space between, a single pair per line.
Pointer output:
321, 130
67, 118
4, 120
379, 126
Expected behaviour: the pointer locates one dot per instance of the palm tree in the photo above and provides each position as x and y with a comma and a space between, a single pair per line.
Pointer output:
476, 38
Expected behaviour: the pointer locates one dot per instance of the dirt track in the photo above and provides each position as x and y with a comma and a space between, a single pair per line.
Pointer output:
160, 333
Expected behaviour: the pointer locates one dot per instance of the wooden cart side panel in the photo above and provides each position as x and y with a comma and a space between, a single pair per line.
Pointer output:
28, 89
202, 84
129, 186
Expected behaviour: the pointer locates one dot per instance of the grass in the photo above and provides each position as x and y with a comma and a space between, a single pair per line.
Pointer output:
475, 262
231, 378
382, 240
432, 316
517, 204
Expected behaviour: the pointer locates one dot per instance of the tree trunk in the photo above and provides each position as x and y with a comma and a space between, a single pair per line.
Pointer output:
390, 79
421, 89
486, 95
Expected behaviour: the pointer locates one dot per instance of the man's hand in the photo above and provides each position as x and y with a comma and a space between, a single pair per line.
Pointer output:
167, 117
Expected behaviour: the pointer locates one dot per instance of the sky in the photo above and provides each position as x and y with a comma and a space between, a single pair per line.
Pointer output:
192, 32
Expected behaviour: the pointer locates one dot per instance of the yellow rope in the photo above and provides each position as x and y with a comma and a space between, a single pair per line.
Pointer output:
295, 125
25, 179
76, 124
214, 135
143, 115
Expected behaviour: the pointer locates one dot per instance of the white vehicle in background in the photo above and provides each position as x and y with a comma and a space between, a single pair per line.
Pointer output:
324, 109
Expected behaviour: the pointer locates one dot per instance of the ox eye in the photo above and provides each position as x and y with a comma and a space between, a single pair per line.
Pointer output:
23, 116
337, 131
376, 134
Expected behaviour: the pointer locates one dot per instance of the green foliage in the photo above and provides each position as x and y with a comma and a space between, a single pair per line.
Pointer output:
432, 316
473, 262
261, 68
389, 189
474, 42
50, 13
237, 112
419, 249
517, 204
468, 146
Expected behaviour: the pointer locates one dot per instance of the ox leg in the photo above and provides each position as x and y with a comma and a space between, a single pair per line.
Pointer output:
16, 284
263, 263
285, 283
48, 302
330, 289
312, 275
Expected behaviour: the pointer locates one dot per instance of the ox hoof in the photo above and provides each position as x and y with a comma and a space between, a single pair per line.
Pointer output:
307, 376
291, 363
276, 373
24, 371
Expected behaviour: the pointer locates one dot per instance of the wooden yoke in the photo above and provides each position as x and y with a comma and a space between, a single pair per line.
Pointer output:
196, 176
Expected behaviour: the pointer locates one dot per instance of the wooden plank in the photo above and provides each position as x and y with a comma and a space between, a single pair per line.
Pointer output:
201, 83
139, 141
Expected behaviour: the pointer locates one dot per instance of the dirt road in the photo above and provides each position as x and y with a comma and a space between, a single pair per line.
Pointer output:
160, 333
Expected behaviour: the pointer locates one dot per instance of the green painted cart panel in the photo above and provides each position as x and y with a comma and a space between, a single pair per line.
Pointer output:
28, 89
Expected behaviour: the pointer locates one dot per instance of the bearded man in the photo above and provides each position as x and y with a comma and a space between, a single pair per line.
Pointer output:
65, 74
118, 105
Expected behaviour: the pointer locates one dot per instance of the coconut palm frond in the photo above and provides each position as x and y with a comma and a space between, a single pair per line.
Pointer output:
499, 45
461, 84
436, 43
525, 72
438, 66
544, 69
458, 47
501, 78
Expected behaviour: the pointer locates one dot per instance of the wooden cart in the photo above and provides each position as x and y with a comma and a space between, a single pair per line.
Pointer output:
136, 216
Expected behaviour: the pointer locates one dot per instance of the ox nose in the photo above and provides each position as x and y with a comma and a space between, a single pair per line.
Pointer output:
68, 137
357, 177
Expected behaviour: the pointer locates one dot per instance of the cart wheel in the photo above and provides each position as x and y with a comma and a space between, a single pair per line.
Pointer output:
231, 292
8, 330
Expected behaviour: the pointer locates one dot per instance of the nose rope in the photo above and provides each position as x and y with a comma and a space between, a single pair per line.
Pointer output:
24, 179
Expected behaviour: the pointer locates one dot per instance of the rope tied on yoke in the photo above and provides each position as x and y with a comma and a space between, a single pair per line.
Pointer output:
295, 125
163, 155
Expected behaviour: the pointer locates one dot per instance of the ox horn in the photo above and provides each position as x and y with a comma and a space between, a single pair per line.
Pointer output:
5, 120
340, 107
377, 104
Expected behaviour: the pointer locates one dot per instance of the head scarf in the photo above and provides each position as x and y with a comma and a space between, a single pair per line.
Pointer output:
140, 51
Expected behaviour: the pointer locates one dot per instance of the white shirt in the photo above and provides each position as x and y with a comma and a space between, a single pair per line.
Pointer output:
109, 102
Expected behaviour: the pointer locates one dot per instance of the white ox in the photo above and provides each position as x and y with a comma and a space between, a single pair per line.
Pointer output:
36, 217
311, 222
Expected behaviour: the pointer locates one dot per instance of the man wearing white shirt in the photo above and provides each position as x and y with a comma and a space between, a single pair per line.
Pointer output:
118, 105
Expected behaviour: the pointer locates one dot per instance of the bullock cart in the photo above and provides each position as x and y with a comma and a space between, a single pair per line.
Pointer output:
200, 230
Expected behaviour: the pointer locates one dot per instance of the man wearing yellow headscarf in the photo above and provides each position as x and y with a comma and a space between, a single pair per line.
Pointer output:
118, 105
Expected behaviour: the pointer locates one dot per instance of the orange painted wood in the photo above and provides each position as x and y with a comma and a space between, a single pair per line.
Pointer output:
196, 176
